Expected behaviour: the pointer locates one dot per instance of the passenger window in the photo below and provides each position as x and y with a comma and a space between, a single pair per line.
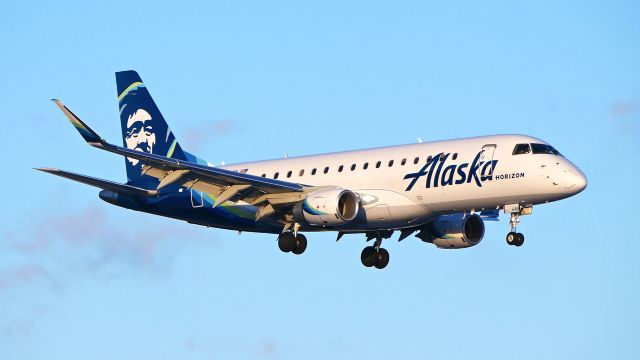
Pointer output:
313, 172
455, 156
275, 176
264, 175
326, 170
429, 158
340, 168
390, 163
378, 164
301, 172
289, 174
521, 149
404, 161
416, 160
365, 166
353, 167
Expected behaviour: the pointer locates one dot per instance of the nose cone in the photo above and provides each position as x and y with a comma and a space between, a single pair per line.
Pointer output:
579, 180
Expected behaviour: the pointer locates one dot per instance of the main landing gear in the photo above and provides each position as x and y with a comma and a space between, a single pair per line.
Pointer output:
375, 255
288, 242
513, 237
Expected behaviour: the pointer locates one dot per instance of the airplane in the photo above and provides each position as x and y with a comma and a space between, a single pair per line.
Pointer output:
441, 191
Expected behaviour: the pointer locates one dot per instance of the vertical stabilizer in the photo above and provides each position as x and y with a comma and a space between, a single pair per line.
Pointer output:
143, 126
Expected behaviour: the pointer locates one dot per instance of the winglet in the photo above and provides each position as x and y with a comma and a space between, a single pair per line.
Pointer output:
47, 170
87, 133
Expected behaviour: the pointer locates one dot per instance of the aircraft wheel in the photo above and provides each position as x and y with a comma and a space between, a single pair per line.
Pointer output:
382, 259
519, 239
368, 256
286, 242
300, 242
512, 238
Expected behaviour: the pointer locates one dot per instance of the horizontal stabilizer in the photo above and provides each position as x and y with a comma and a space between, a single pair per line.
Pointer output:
102, 184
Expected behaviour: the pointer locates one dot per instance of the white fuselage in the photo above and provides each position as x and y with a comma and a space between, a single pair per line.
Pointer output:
472, 174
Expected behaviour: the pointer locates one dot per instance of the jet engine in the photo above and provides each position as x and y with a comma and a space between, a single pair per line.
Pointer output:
328, 207
454, 231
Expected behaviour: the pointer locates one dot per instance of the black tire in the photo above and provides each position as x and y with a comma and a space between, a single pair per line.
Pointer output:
300, 244
286, 242
519, 239
368, 256
512, 238
382, 258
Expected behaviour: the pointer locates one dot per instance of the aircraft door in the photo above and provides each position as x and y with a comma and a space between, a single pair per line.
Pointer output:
487, 154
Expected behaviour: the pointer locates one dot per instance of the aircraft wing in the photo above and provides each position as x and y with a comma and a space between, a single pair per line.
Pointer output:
221, 184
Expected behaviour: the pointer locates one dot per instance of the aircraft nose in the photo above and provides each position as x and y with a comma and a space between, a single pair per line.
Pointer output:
579, 180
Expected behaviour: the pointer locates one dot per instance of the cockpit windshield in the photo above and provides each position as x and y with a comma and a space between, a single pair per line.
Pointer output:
520, 149
544, 149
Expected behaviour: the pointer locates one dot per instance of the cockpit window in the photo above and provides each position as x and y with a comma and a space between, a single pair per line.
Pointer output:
521, 149
544, 149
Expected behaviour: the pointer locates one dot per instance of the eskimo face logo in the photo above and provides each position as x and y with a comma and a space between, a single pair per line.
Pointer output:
141, 133
478, 172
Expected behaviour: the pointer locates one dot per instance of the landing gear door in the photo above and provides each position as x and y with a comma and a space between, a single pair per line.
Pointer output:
487, 156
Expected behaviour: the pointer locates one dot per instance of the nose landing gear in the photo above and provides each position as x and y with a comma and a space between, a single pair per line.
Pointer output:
513, 237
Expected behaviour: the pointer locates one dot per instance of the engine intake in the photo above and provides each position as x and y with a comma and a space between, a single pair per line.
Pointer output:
328, 207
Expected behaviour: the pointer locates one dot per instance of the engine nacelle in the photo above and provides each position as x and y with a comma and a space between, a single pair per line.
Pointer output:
454, 231
328, 207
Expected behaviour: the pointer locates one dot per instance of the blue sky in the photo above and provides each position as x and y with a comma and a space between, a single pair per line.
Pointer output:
240, 81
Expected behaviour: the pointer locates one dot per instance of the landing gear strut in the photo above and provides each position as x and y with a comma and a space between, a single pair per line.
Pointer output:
513, 237
375, 255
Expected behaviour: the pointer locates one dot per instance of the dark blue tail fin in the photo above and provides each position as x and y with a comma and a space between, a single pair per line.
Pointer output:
143, 127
